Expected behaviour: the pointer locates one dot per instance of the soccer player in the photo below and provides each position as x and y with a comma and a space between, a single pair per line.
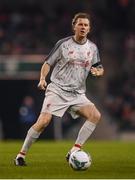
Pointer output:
73, 59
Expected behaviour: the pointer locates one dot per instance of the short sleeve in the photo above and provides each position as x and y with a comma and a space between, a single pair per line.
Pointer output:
54, 55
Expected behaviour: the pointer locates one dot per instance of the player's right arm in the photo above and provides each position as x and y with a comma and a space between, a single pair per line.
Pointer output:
44, 72
49, 61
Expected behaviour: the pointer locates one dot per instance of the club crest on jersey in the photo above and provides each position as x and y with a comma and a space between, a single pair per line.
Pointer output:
70, 52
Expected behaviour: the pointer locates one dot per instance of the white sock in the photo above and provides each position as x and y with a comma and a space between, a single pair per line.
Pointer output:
74, 148
85, 132
31, 137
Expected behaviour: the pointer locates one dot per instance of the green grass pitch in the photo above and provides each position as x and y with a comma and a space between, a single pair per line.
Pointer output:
46, 160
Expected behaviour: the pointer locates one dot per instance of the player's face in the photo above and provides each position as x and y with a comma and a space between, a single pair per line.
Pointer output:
82, 27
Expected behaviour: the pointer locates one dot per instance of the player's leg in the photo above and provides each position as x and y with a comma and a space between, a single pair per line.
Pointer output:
53, 104
32, 135
92, 116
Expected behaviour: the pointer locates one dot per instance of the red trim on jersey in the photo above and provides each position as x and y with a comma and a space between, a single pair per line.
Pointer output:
78, 145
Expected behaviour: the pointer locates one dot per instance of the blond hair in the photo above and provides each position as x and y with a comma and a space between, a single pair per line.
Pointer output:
80, 15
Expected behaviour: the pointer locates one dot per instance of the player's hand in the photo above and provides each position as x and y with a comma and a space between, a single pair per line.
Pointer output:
42, 84
97, 71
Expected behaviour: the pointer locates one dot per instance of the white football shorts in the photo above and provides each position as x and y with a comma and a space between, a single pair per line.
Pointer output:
58, 101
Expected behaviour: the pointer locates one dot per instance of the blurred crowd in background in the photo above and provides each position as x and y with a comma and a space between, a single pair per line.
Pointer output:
33, 27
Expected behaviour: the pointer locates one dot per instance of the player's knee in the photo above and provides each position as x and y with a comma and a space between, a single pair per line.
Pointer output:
44, 119
97, 116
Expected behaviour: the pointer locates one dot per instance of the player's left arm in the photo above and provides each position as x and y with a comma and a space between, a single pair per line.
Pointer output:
96, 68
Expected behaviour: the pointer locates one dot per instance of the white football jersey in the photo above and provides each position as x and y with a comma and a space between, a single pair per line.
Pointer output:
72, 63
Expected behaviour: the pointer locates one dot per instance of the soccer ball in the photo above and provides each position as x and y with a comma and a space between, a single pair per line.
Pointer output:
80, 160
